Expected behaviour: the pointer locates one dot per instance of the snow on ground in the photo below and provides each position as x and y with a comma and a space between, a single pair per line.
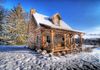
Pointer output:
22, 58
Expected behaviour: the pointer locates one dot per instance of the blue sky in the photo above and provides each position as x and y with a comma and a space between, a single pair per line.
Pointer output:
79, 14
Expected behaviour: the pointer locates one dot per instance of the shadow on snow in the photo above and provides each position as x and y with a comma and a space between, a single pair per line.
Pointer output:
9, 48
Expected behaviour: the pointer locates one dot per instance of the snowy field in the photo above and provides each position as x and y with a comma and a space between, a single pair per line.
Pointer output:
22, 58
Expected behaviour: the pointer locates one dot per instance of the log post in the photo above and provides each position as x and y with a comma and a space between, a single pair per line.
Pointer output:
80, 40
69, 41
71, 44
52, 40
64, 40
43, 40
74, 41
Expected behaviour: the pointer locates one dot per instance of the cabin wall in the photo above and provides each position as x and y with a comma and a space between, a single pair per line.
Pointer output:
37, 38
32, 25
56, 20
34, 40
46, 38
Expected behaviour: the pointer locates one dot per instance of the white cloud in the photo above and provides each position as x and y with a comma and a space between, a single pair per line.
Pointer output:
95, 30
92, 32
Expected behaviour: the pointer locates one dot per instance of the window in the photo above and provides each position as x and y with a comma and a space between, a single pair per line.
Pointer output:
62, 43
48, 39
63, 39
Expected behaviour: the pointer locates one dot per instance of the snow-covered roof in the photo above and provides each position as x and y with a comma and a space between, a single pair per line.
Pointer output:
43, 19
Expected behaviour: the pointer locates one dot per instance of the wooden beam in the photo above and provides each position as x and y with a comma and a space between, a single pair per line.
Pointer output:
43, 41
52, 40
71, 45
69, 41
65, 40
80, 40
74, 41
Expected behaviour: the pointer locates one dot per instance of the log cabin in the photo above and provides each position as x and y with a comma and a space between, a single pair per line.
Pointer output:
52, 33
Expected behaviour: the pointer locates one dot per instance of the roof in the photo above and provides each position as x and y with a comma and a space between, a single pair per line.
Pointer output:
43, 19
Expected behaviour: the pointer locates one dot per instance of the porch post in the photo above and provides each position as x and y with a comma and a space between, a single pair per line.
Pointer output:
74, 41
43, 40
71, 45
64, 40
80, 40
69, 41
52, 40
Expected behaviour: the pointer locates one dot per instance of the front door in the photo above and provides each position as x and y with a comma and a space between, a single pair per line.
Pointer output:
59, 41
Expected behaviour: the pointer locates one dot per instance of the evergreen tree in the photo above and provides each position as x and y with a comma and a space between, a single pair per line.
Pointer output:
1, 19
17, 24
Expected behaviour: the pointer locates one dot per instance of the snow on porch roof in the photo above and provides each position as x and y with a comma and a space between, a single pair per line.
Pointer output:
43, 19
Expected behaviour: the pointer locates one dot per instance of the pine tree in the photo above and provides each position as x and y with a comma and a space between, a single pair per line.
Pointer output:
3, 31
17, 24
1, 19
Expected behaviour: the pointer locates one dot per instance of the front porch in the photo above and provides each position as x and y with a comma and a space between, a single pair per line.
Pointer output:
56, 40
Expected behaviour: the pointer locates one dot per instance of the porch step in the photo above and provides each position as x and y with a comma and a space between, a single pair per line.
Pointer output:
61, 49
